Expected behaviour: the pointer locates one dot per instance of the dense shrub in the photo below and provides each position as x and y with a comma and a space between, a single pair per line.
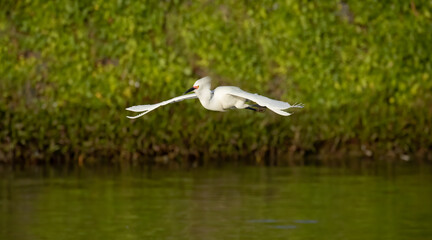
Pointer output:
69, 68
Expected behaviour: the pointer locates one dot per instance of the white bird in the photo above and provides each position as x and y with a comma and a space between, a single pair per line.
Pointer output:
221, 99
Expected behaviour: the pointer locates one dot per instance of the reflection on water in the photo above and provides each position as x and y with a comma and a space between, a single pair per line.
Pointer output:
242, 202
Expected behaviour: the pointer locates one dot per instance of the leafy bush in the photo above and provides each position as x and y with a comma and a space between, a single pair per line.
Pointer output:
69, 68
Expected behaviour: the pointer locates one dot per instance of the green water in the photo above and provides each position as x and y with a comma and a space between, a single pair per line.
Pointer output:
240, 202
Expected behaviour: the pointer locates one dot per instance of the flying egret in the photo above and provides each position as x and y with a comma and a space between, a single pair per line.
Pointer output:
221, 99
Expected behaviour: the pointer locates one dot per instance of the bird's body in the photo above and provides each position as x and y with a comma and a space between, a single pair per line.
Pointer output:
221, 99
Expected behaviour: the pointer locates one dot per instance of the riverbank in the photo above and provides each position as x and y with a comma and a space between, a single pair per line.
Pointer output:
69, 70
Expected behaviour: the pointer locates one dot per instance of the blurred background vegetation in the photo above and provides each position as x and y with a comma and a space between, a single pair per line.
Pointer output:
70, 68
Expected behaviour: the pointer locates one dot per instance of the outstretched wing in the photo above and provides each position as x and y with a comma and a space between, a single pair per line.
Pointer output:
143, 109
274, 105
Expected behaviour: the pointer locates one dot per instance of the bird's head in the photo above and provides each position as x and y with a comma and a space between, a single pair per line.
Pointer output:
200, 83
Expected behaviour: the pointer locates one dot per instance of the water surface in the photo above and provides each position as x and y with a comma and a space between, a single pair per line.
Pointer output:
230, 202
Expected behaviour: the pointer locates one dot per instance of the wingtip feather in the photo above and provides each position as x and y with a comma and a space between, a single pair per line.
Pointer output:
138, 108
298, 105
137, 116
280, 112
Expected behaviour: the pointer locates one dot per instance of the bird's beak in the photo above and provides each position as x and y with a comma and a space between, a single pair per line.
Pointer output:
190, 90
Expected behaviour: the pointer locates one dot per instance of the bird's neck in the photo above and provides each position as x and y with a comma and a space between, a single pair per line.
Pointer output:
204, 95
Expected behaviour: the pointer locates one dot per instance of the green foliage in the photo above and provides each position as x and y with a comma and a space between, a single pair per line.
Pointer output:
69, 68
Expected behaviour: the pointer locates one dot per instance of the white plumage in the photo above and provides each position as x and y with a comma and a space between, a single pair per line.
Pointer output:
221, 99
